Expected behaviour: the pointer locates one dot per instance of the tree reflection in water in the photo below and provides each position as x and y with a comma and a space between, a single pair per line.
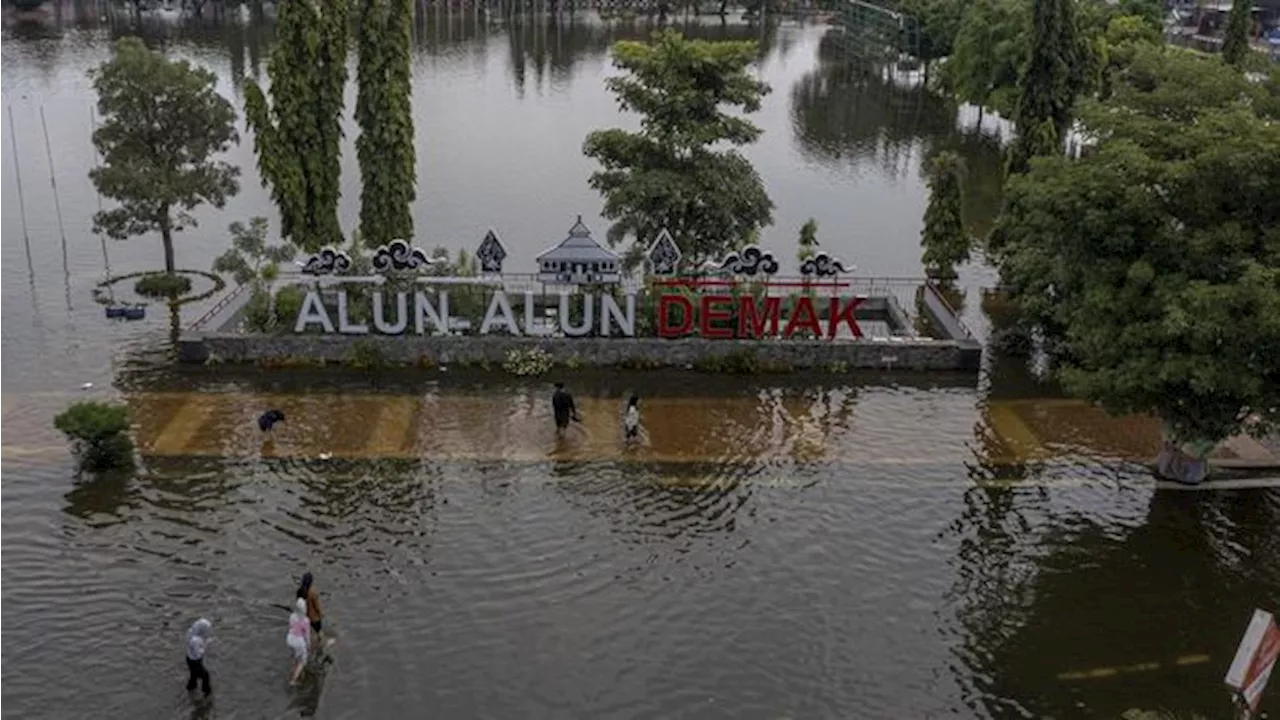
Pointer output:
1108, 608
852, 113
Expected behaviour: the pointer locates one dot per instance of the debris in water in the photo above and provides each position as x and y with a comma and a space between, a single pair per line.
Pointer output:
86, 386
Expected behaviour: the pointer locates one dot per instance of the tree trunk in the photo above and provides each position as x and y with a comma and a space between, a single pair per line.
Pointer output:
166, 236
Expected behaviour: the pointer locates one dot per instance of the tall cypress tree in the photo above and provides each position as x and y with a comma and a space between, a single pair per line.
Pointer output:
1235, 45
385, 145
945, 240
298, 135
1054, 75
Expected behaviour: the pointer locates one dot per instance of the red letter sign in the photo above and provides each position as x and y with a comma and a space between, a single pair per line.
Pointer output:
838, 315
686, 323
750, 323
803, 316
711, 314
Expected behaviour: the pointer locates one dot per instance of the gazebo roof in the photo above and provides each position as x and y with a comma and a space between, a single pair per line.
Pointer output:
578, 247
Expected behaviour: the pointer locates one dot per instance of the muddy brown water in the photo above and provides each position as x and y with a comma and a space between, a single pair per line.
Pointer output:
826, 546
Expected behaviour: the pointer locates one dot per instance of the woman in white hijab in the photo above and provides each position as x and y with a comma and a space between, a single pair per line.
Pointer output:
198, 639
299, 638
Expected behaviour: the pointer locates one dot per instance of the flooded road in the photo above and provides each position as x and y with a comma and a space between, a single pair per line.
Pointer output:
827, 549
830, 546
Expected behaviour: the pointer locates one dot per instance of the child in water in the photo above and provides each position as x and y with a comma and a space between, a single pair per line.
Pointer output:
299, 638
198, 639
631, 419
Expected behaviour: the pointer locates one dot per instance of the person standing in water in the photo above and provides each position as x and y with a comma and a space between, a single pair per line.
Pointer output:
199, 635
631, 419
563, 408
312, 610
298, 638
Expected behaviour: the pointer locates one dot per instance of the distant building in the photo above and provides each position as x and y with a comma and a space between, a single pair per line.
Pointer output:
579, 260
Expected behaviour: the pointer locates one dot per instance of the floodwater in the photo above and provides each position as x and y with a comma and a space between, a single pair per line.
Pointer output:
834, 546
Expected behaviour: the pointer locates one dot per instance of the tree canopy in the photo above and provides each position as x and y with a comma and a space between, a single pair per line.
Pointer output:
385, 145
1157, 254
1055, 73
162, 123
298, 134
1235, 40
668, 175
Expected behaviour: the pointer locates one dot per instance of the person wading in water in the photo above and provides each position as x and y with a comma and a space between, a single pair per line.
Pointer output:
198, 639
298, 639
563, 408
308, 593
631, 419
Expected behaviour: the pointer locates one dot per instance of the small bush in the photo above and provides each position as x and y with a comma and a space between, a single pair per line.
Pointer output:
289, 301
163, 285
366, 356
737, 362
257, 312
426, 362
525, 363
575, 362
99, 433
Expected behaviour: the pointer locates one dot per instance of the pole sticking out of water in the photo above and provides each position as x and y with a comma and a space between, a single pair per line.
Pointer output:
22, 204
57, 204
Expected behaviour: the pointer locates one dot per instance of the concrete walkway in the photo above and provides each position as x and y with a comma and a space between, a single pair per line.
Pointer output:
1245, 453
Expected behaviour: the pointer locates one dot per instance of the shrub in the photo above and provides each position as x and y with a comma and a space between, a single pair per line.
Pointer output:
289, 301
575, 362
534, 361
737, 362
257, 312
99, 433
163, 285
366, 356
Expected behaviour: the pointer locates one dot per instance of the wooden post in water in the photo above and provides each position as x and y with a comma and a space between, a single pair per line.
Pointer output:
22, 204
57, 203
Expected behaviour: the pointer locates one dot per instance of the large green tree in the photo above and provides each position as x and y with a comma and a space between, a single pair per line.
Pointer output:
945, 240
163, 122
385, 145
1053, 76
669, 174
1235, 41
990, 49
298, 134
1156, 256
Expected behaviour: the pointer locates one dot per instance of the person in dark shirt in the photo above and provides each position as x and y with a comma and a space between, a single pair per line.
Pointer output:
562, 406
267, 421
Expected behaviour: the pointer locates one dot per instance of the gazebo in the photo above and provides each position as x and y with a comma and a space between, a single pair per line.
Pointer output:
579, 260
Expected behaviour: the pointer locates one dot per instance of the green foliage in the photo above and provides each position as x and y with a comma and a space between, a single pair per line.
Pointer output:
250, 259
668, 175
267, 313
937, 25
1154, 261
734, 362
990, 50
527, 362
945, 240
162, 285
162, 122
366, 355
385, 145
463, 264
99, 433
1235, 41
298, 135
1054, 75
808, 240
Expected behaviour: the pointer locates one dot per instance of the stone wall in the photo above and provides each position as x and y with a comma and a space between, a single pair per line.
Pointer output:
879, 353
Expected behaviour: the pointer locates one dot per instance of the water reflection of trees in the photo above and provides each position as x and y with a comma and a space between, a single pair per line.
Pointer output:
1037, 606
850, 112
